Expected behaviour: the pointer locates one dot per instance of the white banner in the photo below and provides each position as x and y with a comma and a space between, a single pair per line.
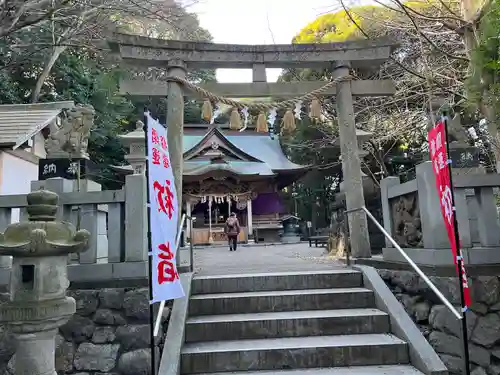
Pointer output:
164, 218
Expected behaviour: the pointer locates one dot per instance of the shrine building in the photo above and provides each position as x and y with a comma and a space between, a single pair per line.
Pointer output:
228, 171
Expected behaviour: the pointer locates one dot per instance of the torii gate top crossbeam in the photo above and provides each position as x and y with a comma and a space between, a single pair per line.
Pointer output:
156, 52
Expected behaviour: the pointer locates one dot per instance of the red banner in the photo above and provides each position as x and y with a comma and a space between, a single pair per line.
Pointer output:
439, 158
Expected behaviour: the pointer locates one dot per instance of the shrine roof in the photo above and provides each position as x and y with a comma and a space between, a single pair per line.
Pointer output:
193, 168
260, 146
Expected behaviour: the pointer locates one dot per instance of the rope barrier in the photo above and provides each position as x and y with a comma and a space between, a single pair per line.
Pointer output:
258, 105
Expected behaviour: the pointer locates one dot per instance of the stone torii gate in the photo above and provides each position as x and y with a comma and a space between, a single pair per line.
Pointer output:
177, 57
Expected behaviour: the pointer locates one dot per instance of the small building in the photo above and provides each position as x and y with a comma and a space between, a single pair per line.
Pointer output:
23, 128
231, 171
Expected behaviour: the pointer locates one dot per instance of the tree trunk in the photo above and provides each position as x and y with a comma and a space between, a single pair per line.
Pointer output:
58, 50
485, 106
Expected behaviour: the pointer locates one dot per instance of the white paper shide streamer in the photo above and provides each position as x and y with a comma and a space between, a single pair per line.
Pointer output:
216, 113
165, 281
271, 117
298, 110
246, 115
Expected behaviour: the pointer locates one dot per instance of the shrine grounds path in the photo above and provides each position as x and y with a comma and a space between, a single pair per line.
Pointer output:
260, 259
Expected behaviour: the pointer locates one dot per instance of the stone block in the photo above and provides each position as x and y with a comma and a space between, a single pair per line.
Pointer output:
441, 320
486, 289
136, 304
132, 337
253, 302
104, 335
487, 331
109, 317
86, 301
447, 344
277, 282
91, 357
297, 353
287, 324
137, 362
78, 329
111, 298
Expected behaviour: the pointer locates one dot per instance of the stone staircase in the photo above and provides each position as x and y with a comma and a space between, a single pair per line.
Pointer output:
298, 323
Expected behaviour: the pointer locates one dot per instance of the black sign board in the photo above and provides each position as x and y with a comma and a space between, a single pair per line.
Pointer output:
464, 157
66, 168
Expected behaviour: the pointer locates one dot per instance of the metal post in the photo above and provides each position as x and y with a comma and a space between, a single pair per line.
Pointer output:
347, 243
150, 260
191, 254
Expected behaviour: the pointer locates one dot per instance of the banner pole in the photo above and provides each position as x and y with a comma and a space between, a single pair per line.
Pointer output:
460, 259
150, 253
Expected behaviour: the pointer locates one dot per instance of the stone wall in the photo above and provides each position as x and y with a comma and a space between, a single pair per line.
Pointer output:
442, 329
109, 335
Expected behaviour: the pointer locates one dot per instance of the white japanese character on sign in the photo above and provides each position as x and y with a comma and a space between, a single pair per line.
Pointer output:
49, 168
73, 168
446, 203
436, 166
465, 282
433, 147
438, 141
441, 161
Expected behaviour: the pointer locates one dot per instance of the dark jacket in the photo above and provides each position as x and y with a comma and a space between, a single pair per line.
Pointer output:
232, 227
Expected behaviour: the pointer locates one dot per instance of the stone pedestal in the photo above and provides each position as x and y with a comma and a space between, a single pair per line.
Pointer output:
38, 304
35, 353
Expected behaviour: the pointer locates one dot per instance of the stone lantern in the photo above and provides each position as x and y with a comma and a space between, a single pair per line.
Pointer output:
135, 141
38, 303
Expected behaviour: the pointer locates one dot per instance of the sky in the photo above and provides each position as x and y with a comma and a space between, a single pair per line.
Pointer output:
256, 22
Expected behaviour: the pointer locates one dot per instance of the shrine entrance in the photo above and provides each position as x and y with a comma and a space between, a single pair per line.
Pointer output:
251, 150
211, 213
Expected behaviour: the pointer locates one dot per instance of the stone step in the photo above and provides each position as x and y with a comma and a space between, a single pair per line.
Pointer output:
294, 352
286, 324
358, 370
277, 301
340, 278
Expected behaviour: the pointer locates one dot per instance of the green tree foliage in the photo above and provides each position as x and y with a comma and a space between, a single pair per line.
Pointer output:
485, 66
419, 68
87, 75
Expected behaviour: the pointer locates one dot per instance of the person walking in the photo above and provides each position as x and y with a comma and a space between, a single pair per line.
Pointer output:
232, 230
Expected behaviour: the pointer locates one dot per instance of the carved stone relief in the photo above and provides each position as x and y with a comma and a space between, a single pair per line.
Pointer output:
406, 225
70, 139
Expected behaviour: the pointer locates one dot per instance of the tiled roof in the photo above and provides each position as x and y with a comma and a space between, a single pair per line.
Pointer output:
238, 167
261, 147
20, 122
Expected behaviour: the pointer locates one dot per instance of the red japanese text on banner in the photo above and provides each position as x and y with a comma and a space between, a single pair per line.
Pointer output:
439, 159
164, 218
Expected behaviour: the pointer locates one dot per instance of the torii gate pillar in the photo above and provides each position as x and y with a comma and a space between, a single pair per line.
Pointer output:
351, 165
175, 124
